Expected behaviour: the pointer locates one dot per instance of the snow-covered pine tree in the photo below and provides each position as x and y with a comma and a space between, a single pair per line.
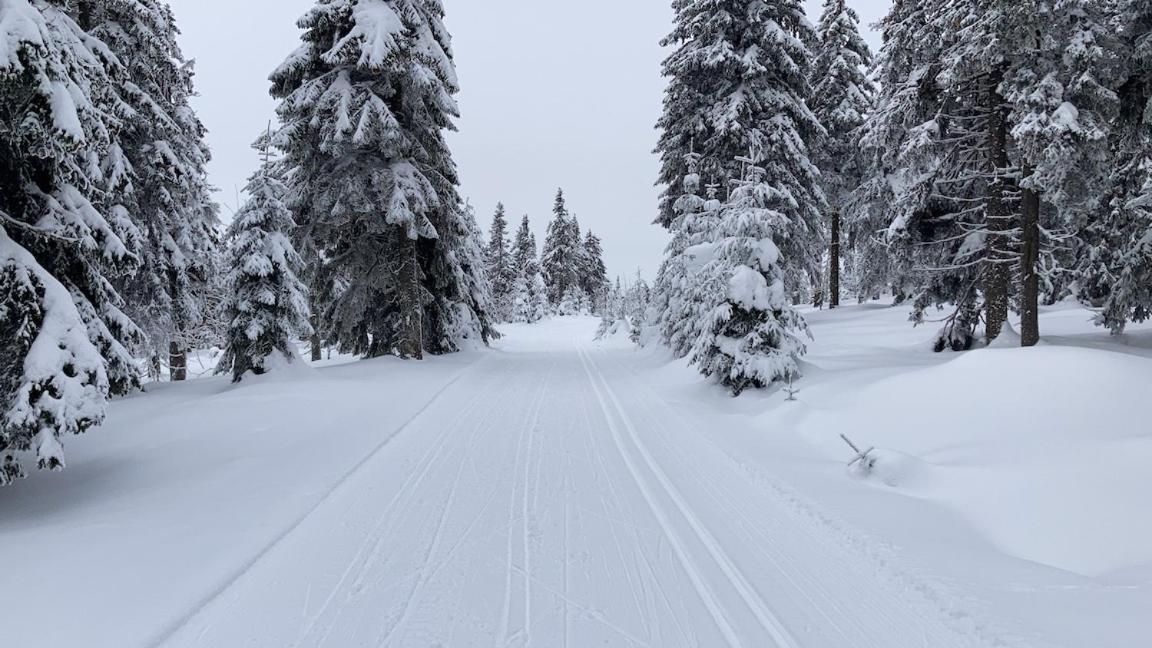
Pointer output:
365, 102
558, 259
637, 304
751, 334
943, 158
500, 269
672, 311
574, 302
531, 295
593, 272
1115, 265
1061, 90
60, 316
908, 234
157, 175
842, 99
738, 83
267, 306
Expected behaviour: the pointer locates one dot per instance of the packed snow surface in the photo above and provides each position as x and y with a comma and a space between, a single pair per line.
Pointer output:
555, 492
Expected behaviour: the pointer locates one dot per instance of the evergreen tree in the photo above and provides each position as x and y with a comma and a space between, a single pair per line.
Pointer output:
60, 247
157, 175
985, 112
267, 307
637, 303
530, 293
558, 262
738, 86
841, 100
896, 140
500, 269
751, 335
1115, 262
365, 103
593, 273
676, 315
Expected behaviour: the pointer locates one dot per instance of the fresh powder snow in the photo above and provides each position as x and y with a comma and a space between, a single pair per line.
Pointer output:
623, 501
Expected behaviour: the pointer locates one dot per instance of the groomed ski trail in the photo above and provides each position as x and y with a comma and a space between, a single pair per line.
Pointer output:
548, 498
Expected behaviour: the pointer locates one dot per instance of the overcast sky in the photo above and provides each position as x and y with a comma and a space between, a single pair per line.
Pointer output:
554, 94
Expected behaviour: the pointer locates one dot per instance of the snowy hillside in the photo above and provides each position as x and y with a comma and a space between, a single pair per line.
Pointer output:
555, 491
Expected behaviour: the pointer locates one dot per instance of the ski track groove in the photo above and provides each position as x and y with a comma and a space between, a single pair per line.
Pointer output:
751, 597
686, 560
808, 520
603, 489
365, 557
178, 624
615, 521
437, 538
503, 638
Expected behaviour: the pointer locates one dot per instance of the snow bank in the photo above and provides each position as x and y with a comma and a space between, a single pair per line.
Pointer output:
184, 486
1044, 450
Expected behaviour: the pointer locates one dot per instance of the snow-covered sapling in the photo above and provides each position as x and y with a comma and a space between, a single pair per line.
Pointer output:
267, 307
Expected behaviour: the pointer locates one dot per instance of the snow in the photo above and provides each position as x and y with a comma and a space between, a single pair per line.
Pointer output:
20, 25
559, 491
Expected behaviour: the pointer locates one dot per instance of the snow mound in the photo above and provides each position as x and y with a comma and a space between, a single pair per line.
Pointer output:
894, 469
1043, 450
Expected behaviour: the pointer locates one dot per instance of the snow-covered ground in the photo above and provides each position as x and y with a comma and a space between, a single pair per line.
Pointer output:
560, 492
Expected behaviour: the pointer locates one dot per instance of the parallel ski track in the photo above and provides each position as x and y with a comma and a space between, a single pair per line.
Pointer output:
168, 632
936, 627
613, 410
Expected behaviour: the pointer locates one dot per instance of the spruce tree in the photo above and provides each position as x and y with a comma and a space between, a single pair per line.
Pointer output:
531, 295
842, 99
1114, 267
676, 315
558, 261
267, 306
499, 267
637, 304
365, 103
60, 246
158, 177
593, 272
737, 86
751, 336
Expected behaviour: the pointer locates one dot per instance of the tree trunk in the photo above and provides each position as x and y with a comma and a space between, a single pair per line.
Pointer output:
177, 362
411, 343
834, 262
317, 352
998, 217
84, 14
1029, 258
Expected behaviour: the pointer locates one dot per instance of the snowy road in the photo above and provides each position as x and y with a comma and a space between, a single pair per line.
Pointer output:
548, 498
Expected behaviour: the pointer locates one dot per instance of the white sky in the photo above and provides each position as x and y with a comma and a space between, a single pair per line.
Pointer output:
554, 94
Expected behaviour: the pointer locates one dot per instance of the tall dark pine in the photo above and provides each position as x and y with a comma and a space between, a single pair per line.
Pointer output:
157, 175
1064, 114
841, 99
1114, 266
365, 102
60, 245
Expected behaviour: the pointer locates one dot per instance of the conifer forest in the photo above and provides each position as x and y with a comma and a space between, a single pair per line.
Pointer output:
668, 323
